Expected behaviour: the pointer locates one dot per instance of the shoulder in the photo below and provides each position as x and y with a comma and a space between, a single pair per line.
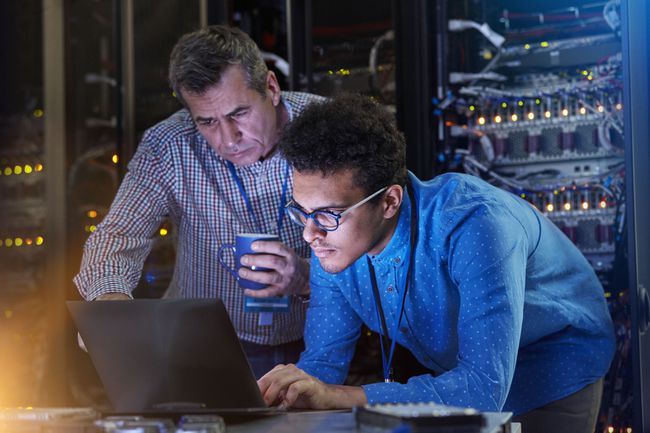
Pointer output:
461, 190
454, 200
297, 101
177, 128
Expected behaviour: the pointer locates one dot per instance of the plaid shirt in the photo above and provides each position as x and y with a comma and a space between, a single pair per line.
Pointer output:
176, 174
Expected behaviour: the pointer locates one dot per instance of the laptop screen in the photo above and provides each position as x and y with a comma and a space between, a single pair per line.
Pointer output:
166, 354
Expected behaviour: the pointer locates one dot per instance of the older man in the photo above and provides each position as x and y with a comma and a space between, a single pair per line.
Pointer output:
214, 169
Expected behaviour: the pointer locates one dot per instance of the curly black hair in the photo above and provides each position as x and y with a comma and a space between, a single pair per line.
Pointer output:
348, 132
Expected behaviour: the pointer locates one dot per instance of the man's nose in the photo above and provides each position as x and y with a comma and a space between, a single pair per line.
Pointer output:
312, 232
230, 134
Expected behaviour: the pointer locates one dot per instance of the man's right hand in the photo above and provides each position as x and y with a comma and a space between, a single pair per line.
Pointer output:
114, 296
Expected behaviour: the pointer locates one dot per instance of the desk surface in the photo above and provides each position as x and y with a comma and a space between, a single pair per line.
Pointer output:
335, 421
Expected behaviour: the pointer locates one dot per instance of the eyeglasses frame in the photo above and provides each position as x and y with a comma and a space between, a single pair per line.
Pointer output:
337, 216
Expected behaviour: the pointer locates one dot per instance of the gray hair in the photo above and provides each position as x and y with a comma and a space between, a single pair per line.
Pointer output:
200, 58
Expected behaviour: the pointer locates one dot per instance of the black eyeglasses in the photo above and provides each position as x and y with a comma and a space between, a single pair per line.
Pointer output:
324, 219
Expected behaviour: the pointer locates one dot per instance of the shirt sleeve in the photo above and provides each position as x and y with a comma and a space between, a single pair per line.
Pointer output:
115, 252
487, 255
331, 330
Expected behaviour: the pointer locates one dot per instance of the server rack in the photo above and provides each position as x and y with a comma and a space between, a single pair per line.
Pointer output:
636, 45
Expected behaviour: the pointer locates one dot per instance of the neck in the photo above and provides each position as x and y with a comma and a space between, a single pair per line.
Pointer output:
282, 116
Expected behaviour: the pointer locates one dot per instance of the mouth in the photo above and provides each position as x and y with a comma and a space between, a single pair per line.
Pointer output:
239, 154
322, 253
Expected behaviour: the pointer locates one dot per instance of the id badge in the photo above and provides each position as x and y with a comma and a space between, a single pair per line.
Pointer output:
279, 304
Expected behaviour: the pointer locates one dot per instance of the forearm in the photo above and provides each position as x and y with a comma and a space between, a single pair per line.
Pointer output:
345, 397
115, 252
111, 264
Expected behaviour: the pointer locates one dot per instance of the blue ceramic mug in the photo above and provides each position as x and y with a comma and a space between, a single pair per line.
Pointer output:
243, 245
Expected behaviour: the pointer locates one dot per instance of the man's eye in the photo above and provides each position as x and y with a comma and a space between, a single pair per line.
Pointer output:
206, 122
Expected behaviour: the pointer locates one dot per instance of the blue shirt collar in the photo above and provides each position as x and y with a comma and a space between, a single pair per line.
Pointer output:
397, 250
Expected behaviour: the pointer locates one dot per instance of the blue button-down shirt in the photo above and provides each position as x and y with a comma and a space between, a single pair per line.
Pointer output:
501, 305
176, 174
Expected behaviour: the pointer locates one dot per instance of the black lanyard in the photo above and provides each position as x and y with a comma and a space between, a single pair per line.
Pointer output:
388, 346
249, 205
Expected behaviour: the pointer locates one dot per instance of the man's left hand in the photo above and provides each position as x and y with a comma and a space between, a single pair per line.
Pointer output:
288, 275
287, 386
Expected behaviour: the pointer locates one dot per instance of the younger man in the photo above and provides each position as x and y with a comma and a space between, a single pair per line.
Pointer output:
484, 290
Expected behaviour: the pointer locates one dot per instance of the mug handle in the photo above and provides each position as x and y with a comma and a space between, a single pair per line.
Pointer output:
223, 248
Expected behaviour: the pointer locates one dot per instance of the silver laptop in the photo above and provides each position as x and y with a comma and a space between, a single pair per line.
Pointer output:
158, 355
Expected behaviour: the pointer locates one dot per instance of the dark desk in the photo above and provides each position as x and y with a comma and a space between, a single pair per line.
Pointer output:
83, 420
339, 422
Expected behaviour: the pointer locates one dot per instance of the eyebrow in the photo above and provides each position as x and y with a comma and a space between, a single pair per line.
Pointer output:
232, 113
328, 207
202, 119
238, 110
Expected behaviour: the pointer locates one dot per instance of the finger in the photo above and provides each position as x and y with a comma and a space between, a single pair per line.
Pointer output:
280, 380
307, 393
294, 392
268, 261
81, 343
267, 379
272, 247
263, 277
273, 394
264, 293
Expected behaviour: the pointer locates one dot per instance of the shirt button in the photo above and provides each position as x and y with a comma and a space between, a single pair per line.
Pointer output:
397, 260
389, 289
403, 330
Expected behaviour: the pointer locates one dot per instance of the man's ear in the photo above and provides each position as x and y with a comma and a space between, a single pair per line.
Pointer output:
392, 200
273, 88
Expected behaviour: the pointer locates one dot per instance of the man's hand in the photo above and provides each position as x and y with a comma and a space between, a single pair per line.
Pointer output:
113, 296
287, 386
288, 275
